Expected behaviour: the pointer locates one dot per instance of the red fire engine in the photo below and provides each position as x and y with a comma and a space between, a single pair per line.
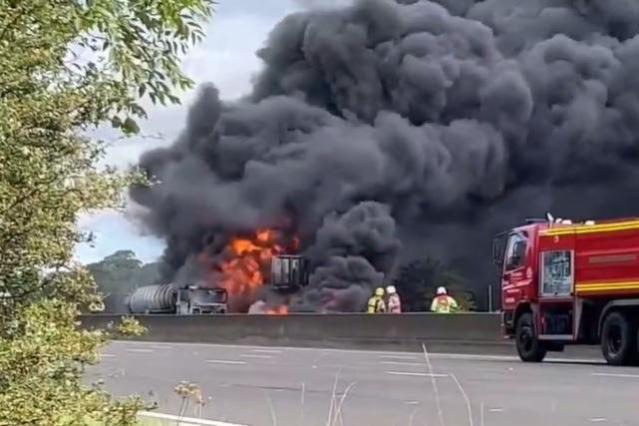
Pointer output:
565, 283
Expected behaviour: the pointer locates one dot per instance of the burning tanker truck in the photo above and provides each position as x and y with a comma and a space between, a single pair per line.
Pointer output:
289, 273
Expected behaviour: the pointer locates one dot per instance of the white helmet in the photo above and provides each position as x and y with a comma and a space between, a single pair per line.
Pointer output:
390, 289
441, 291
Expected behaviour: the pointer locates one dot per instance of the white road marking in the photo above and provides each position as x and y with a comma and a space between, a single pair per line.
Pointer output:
408, 364
256, 356
162, 347
618, 375
398, 356
225, 361
409, 373
107, 356
185, 421
597, 419
267, 351
139, 350
411, 402
435, 355
511, 358
496, 410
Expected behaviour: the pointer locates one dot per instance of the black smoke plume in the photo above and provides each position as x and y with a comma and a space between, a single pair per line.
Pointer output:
436, 123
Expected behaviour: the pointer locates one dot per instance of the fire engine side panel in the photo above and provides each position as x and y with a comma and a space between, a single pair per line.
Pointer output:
606, 257
607, 263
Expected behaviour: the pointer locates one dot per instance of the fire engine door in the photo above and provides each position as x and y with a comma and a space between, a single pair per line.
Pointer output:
556, 302
514, 277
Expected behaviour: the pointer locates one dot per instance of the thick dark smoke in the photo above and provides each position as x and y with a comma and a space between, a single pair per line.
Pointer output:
437, 123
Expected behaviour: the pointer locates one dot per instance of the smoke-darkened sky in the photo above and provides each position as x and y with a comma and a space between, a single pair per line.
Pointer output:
393, 130
230, 62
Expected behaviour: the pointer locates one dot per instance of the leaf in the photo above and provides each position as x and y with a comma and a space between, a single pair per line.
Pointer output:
51, 174
116, 122
130, 126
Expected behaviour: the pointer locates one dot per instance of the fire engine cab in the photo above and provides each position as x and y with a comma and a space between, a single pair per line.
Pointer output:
571, 283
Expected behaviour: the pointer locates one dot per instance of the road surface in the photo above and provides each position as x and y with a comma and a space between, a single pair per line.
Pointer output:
294, 386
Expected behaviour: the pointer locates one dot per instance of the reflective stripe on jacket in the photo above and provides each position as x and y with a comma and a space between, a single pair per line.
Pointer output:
371, 305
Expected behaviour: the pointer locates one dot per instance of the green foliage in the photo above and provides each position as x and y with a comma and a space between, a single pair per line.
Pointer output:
42, 358
130, 327
417, 282
67, 66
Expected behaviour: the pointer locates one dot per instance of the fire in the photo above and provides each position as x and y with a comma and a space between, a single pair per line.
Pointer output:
280, 310
247, 261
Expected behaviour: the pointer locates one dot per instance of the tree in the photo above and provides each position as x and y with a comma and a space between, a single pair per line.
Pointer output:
417, 282
68, 66
118, 275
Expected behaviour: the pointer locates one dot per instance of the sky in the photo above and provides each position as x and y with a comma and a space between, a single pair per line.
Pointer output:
226, 58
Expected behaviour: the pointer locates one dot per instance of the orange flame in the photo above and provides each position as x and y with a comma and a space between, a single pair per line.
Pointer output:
248, 260
280, 310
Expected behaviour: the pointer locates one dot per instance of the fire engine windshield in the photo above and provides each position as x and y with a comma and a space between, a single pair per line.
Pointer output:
516, 251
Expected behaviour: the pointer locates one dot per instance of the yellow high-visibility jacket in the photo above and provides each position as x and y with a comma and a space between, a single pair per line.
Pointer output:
443, 304
376, 305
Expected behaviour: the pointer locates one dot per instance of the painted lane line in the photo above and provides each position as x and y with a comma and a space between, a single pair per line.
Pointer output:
512, 358
408, 364
161, 347
434, 355
186, 420
107, 356
257, 356
267, 351
496, 410
225, 361
618, 375
139, 350
408, 373
597, 419
409, 357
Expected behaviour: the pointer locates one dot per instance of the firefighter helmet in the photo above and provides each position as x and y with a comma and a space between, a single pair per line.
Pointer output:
391, 289
441, 291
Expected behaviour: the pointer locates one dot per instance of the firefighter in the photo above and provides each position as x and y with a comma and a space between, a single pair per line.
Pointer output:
394, 302
443, 303
376, 302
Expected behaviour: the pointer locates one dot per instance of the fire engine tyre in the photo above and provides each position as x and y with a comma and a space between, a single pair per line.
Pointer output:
618, 339
529, 348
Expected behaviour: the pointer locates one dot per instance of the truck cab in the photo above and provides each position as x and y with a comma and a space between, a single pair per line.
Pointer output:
196, 300
565, 283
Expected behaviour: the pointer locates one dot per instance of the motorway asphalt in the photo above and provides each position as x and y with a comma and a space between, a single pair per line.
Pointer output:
248, 385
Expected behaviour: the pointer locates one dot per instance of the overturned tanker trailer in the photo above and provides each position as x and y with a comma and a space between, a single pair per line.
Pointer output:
171, 299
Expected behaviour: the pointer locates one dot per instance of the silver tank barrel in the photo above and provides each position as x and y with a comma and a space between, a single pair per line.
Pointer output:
153, 299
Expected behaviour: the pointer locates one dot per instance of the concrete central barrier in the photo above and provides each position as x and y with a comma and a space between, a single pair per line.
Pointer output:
460, 333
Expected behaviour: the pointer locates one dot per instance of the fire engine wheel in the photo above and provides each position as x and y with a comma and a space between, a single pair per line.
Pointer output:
618, 339
529, 348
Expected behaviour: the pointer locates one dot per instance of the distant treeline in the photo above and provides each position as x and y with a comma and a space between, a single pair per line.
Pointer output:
119, 274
